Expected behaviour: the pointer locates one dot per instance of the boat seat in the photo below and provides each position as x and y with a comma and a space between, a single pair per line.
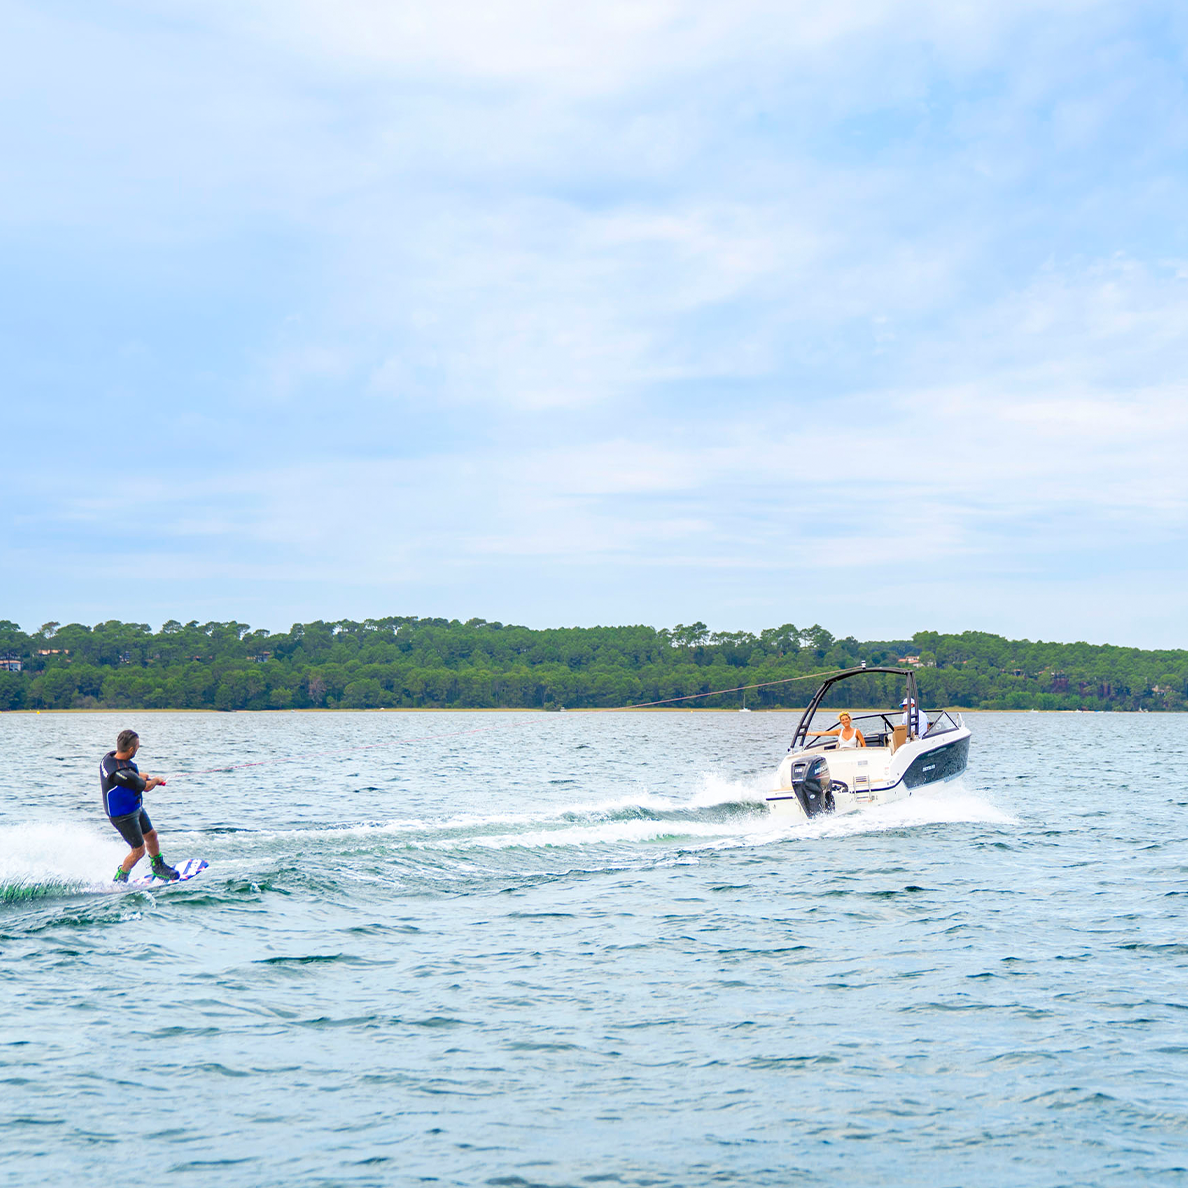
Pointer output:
898, 738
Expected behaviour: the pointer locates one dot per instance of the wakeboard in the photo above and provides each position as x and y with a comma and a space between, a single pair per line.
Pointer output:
185, 870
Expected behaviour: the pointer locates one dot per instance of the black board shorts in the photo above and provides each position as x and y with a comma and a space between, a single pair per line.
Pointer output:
133, 827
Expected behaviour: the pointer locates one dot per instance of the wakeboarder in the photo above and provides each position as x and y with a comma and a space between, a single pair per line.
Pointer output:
123, 787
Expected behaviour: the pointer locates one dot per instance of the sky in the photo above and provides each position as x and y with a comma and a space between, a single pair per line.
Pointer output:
870, 314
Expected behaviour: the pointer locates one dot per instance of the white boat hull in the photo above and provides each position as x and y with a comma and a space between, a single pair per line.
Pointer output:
863, 776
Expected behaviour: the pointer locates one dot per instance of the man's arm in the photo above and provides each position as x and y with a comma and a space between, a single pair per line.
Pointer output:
129, 777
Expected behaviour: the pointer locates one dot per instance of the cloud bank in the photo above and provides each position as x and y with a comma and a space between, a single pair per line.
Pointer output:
870, 315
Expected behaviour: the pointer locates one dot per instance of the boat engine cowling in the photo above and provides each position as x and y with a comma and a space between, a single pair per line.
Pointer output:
812, 785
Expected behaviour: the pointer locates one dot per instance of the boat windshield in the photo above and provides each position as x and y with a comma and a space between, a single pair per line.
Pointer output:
878, 727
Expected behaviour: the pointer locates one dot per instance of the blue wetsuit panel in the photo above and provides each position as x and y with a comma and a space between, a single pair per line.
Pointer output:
121, 785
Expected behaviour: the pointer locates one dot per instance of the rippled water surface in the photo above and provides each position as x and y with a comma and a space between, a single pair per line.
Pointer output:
574, 949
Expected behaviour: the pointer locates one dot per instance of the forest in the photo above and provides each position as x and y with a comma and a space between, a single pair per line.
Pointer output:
410, 662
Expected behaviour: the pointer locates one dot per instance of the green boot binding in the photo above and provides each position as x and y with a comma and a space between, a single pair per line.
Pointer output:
162, 870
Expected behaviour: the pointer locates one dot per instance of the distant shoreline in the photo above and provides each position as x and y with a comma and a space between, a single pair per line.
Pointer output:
651, 709
419, 664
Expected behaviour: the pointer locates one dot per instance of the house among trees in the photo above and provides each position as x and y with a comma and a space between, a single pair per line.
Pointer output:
10, 663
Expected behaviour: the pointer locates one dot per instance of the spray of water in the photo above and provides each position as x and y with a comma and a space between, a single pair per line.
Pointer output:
718, 813
39, 858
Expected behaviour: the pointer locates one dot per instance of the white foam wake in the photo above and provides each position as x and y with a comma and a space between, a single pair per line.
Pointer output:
946, 804
66, 854
593, 820
609, 833
715, 791
693, 822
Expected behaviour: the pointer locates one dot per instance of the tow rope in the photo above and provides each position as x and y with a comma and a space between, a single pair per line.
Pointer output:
402, 742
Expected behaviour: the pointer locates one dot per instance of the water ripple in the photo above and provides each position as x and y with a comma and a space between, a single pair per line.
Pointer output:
581, 952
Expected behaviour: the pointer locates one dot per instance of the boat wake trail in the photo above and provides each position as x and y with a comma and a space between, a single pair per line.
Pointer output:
40, 860
640, 830
946, 804
718, 809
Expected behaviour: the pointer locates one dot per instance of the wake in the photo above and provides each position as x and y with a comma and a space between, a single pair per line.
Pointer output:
40, 859
720, 814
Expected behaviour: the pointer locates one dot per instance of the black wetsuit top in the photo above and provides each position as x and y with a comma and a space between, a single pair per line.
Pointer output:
122, 786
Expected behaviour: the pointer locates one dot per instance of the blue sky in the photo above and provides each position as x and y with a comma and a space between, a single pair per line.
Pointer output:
870, 314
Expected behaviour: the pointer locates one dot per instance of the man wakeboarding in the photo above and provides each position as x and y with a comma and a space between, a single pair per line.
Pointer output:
123, 787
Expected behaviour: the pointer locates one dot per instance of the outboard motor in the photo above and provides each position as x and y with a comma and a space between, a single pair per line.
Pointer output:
812, 785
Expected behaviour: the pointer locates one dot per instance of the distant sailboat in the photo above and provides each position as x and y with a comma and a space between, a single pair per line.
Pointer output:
744, 709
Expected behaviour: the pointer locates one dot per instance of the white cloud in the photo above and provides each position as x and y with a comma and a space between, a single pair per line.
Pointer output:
638, 290
596, 51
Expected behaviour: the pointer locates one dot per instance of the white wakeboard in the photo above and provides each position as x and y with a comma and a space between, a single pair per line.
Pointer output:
185, 870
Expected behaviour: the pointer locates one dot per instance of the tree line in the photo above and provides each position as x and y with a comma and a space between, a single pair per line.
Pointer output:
410, 662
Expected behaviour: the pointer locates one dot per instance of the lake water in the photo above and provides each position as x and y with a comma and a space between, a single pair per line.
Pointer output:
574, 949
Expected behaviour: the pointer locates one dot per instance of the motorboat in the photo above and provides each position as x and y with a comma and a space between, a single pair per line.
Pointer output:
907, 748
